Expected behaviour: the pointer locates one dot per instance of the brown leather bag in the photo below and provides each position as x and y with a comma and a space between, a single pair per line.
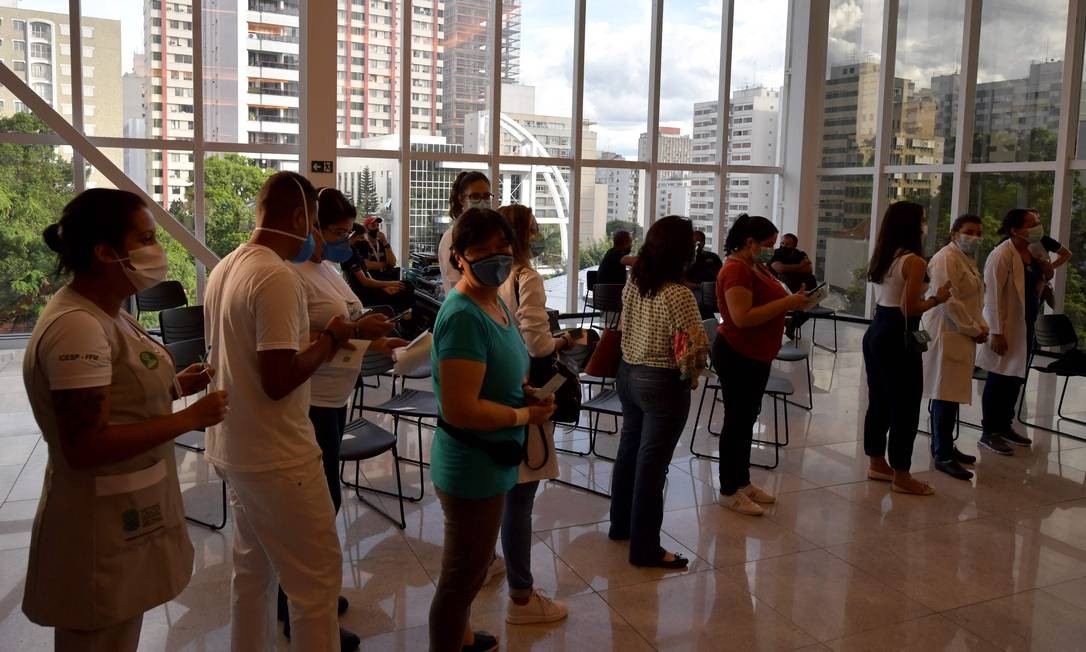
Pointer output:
608, 353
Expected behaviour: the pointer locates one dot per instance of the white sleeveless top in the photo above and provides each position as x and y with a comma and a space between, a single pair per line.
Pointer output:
888, 293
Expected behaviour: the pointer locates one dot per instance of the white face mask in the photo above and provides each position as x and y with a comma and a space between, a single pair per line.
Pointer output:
149, 266
968, 243
478, 203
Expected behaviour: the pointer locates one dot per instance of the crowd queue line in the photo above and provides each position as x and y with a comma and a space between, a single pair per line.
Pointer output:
109, 539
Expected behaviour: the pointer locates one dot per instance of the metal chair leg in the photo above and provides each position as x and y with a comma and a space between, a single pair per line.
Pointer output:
708, 423
1022, 403
214, 527
358, 489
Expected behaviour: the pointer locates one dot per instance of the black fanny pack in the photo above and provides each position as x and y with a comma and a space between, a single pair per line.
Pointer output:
502, 453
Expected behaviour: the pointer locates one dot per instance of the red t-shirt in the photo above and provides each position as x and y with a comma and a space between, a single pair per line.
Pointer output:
761, 342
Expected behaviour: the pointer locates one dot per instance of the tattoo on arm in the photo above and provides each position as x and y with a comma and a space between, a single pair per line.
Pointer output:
80, 411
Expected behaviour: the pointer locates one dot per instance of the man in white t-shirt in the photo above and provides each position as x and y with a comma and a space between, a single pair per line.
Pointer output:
258, 330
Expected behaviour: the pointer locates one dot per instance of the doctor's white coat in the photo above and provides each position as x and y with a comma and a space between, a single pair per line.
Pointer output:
948, 364
1005, 311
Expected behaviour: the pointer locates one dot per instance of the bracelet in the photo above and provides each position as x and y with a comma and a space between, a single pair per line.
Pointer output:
335, 340
523, 415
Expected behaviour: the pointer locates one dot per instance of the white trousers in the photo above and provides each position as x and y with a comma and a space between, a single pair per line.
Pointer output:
122, 637
285, 530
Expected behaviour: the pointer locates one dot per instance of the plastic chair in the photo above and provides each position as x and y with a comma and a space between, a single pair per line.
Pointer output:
165, 295
1056, 331
363, 440
608, 300
792, 353
180, 324
816, 313
589, 300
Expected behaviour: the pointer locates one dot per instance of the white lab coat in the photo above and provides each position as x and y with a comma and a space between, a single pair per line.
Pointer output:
450, 276
1005, 311
948, 365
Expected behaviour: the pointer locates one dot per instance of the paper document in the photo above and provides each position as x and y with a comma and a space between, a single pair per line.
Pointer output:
350, 358
414, 355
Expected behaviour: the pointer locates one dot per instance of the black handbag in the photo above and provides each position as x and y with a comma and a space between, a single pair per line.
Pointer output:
916, 339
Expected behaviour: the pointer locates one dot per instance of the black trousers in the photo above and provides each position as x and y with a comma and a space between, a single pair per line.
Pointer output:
998, 401
944, 419
328, 426
895, 386
742, 382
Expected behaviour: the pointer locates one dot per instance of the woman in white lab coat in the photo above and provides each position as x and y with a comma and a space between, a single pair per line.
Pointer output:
956, 327
1013, 277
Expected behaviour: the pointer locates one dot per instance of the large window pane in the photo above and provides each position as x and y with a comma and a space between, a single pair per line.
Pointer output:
620, 193
753, 194
119, 90
373, 186
616, 74
992, 194
36, 45
929, 38
1019, 80
932, 191
852, 83
459, 89
368, 72
844, 229
540, 100
760, 34
35, 184
251, 70
1074, 301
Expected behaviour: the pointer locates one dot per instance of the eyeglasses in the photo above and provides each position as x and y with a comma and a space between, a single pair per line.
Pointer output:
481, 195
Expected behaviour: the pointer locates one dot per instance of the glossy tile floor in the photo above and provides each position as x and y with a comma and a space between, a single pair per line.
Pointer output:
839, 563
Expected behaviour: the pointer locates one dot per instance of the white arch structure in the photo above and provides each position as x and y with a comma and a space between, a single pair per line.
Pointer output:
557, 188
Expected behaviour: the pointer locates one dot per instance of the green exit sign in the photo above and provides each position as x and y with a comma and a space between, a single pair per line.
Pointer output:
322, 166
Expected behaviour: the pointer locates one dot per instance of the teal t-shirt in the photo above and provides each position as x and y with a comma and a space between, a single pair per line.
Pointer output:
463, 331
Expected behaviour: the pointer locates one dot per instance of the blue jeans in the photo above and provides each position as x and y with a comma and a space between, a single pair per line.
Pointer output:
655, 406
944, 419
517, 538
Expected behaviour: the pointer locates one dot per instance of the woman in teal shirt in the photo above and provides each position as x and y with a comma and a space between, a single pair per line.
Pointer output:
480, 365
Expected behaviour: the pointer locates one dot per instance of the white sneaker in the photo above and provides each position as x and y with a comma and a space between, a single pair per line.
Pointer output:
540, 609
758, 495
495, 569
741, 502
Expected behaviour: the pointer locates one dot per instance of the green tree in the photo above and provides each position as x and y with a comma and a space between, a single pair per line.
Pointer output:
592, 254
367, 201
231, 185
35, 184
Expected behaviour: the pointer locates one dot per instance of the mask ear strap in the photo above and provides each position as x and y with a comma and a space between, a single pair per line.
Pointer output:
305, 201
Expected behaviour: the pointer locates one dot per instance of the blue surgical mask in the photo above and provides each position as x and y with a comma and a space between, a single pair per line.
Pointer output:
969, 244
338, 252
492, 270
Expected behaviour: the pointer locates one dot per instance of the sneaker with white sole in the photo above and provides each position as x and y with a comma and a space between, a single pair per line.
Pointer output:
740, 502
495, 569
539, 609
758, 495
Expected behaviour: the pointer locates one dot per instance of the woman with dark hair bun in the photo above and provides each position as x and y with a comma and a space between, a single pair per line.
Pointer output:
1014, 277
663, 353
753, 305
895, 374
470, 189
109, 540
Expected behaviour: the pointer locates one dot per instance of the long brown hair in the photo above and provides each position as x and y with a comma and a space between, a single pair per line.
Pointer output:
900, 230
521, 219
665, 256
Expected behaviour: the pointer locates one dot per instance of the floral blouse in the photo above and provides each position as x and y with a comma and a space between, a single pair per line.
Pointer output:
663, 331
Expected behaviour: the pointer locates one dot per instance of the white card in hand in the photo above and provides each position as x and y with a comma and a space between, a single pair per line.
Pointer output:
550, 388
816, 298
350, 358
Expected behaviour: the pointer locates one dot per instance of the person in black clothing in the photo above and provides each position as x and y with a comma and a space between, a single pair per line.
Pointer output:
373, 249
793, 267
704, 269
612, 269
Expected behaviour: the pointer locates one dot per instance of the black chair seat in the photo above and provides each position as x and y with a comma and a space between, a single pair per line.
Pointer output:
820, 311
363, 440
980, 374
187, 352
779, 386
792, 353
409, 403
605, 402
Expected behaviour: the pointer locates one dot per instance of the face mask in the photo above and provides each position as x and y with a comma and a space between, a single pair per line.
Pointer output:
338, 252
765, 254
492, 270
969, 244
537, 246
924, 230
1034, 234
149, 266
478, 203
